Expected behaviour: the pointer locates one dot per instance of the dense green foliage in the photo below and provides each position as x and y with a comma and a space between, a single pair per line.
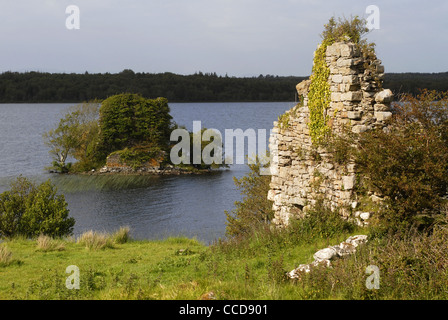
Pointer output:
412, 83
36, 87
199, 87
29, 210
254, 210
136, 129
408, 163
129, 120
76, 136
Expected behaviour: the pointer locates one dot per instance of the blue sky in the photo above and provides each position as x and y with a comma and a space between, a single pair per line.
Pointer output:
234, 37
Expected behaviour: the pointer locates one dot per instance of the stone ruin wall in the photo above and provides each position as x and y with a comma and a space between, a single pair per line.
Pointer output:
299, 175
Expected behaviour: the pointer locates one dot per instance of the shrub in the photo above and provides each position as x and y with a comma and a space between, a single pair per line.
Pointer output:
408, 163
77, 136
127, 120
29, 210
320, 222
255, 210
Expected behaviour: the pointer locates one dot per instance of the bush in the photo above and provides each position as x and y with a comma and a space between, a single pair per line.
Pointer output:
320, 222
76, 136
30, 210
127, 120
408, 163
255, 210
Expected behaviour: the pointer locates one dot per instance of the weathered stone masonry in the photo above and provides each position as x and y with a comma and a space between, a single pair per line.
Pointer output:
302, 172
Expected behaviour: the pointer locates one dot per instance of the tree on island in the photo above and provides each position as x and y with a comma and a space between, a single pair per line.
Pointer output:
135, 128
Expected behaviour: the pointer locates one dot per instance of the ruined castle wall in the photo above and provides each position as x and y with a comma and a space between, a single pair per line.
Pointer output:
302, 172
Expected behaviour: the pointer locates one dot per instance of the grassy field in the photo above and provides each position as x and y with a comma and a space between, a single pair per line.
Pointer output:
413, 267
174, 268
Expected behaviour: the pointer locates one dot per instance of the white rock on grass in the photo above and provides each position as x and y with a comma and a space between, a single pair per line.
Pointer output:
323, 257
357, 240
325, 254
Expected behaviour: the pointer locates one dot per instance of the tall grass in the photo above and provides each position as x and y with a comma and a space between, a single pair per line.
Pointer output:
46, 243
94, 240
5, 256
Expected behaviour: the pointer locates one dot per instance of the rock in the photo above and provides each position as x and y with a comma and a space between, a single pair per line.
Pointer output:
359, 128
375, 198
322, 258
321, 263
355, 115
296, 273
325, 254
303, 87
357, 240
365, 215
384, 96
348, 182
345, 249
208, 296
382, 115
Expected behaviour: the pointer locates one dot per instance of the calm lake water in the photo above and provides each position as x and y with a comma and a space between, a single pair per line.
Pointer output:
154, 207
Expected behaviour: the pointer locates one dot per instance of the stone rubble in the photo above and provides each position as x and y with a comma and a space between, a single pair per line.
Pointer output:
324, 257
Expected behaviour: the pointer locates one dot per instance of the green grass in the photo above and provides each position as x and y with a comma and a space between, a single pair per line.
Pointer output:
413, 267
174, 268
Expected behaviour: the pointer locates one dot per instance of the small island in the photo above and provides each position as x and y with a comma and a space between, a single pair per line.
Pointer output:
125, 133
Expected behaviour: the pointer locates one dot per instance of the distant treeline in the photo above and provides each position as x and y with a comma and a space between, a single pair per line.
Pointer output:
34, 87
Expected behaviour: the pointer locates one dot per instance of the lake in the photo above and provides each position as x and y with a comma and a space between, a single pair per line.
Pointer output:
154, 207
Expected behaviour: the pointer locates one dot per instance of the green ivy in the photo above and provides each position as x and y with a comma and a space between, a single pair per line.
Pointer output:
283, 121
319, 95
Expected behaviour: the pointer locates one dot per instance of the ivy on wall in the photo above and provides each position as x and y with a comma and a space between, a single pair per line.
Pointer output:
319, 96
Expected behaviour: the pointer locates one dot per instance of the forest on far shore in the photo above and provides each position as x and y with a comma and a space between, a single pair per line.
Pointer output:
39, 87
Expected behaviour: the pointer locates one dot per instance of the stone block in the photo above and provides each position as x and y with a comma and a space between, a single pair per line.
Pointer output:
355, 115
334, 50
384, 96
344, 62
382, 115
337, 78
335, 96
348, 50
351, 79
380, 107
348, 182
359, 128
352, 96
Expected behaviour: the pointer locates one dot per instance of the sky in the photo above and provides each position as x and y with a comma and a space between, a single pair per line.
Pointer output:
241, 38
